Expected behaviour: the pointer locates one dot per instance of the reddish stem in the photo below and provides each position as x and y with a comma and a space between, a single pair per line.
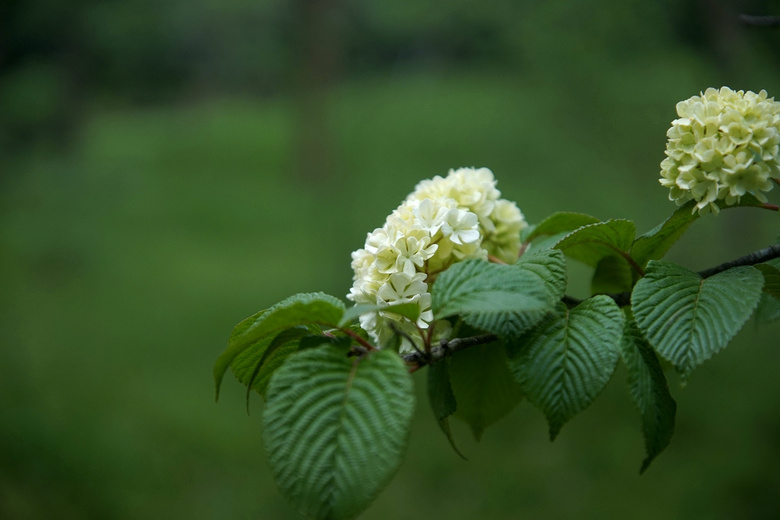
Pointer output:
357, 337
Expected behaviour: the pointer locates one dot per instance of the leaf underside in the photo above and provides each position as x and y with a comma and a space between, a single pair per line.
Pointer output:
649, 390
442, 399
483, 386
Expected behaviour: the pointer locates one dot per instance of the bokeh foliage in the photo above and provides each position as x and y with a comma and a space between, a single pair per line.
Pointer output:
151, 197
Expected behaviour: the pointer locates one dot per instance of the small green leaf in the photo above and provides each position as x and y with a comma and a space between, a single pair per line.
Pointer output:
768, 310
243, 363
564, 362
410, 311
591, 243
649, 390
560, 222
442, 399
503, 299
654, 244
688, 319
335, 428
612, 275
301, 309
483, 386
771, 278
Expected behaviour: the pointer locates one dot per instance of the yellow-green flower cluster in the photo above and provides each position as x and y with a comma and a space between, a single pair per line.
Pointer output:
444, 220
725, 144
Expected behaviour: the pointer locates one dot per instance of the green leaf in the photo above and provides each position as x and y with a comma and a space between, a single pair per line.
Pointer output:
335, 428
484, 388
612, 275
315, 340
649, 390
591, 243
550, 268
560, 222
503, 299
252, 366
768, 310
564, 362
301, 309
654, 244
688, 319
442, 399
410, 311
771, 278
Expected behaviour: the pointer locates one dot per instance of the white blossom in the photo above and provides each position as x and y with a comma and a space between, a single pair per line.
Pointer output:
443, 221
725, 144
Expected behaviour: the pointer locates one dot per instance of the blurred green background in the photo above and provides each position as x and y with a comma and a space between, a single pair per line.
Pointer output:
169, 168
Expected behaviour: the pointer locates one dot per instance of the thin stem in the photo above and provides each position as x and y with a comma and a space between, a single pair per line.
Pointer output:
357, 337
446, 348
633, 263
760, 21
757, 257
407, 337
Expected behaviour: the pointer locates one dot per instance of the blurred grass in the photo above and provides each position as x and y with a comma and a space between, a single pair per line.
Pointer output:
126, 263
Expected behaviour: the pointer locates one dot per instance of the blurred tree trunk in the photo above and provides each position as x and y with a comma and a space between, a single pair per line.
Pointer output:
319, 53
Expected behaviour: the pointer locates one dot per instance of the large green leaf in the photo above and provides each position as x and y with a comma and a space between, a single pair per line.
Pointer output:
484, 388
564, 362
560, 222
301, 309
591, 243
686, 318
503, 299
335, 428
442, 399
649, 390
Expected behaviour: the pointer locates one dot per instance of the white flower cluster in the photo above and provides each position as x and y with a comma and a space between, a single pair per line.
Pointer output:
443, 221
724, 144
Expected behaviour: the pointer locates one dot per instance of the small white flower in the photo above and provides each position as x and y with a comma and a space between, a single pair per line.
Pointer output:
461, 227
402, 288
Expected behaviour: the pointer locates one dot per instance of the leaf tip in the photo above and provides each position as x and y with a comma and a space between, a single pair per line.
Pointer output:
216, 392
